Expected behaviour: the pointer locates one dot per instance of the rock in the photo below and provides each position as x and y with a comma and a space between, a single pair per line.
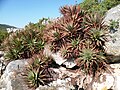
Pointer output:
47, 51
2, 68
56, 56
58, 85
105, 81
69, 63
108, 80
112, 14
2, 65
12, 78
1, 53
58, 59
113, 46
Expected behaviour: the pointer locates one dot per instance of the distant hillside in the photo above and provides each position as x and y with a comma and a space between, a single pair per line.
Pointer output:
4, 26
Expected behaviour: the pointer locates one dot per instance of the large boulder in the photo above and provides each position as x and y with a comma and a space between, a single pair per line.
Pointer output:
113, 46
12, 78
109, 81
112, 14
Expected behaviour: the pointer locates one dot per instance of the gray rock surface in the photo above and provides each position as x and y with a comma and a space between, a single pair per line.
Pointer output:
58, 58
1, 53
12, 78
109, 80
113, 46
104, 82
2, 63
112, 14
57, 85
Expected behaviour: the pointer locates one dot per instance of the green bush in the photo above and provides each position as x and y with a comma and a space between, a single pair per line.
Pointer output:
3, 35
101, 7
108, 4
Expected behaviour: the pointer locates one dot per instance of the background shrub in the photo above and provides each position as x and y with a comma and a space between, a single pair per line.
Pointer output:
101, 6
3, 35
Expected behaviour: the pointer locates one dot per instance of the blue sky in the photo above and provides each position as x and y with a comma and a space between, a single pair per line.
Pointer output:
20, 12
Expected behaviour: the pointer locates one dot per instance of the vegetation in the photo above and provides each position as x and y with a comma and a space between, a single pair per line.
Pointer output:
79, 35
91, 61
3, 35
38, 26
96, 6
25, 43
38, 72
74, 32
4, 27
114, 25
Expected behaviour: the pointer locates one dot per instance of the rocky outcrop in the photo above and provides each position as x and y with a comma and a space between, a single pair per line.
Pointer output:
12, 78
109, 80
112, 14
113, 46
57, 85
106, 81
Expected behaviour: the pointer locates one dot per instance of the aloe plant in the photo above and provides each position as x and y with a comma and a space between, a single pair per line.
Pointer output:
93, 20
91, 61
36, 78
75, 42
98, 38
66, 27
38, 72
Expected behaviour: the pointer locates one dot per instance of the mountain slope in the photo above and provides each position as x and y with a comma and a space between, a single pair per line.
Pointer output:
5, 26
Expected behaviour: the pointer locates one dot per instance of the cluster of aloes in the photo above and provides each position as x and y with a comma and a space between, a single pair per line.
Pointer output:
64, 32
38, 72
23, 44
73, 32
